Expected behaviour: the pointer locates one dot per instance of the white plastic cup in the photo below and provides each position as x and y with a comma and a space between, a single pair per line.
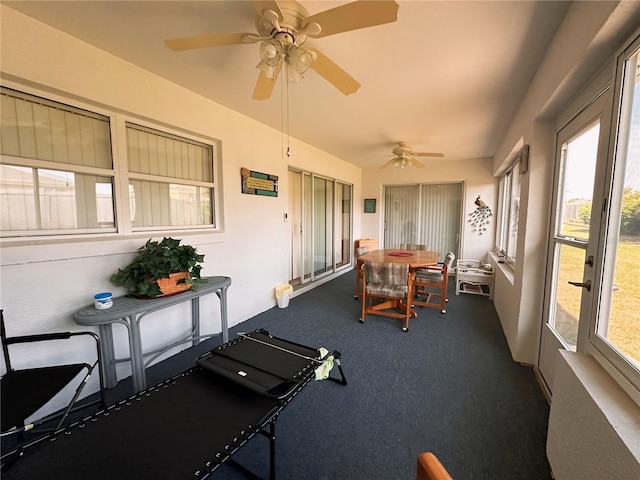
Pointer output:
102, 301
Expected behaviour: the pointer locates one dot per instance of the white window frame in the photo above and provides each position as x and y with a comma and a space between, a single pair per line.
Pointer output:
617, 364
119, 173
47, 143
506, 243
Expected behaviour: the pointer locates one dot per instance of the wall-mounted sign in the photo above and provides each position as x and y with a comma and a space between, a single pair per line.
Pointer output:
256, 183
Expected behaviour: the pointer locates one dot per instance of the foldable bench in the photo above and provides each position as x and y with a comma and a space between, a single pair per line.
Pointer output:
187, 426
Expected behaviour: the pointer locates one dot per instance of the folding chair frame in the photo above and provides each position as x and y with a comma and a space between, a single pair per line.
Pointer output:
35, 426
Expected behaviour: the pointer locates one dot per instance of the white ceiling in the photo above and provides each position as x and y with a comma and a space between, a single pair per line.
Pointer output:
446, 77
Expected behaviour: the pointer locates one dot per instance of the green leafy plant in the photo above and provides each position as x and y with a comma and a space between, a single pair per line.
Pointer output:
157, 260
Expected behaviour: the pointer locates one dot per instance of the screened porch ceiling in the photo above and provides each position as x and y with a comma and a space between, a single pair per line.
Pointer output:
446, 77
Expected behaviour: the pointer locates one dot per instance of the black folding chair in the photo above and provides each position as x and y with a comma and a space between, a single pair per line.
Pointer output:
24, 391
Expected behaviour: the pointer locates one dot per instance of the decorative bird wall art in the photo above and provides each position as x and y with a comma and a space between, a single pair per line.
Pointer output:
480, 216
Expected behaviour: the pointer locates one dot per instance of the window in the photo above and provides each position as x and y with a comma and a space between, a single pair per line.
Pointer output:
508, 212
577, 160
171, 179
616, 329
59, 173
57, 169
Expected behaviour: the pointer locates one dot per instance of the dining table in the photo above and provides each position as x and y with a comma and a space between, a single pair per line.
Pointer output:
414, 258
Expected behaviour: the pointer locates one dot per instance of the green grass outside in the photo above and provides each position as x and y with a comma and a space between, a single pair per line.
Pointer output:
624, 320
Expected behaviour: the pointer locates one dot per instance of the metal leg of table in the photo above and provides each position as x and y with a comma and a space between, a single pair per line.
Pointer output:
222, 295
107, 352
137, 360
195, 320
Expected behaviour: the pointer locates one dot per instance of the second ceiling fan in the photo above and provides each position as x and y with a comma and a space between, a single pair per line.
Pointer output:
404, 156
283, 28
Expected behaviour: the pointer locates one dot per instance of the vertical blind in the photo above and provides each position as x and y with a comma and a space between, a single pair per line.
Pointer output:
41, 130
423, 214
401, 215
440, 222
162, 154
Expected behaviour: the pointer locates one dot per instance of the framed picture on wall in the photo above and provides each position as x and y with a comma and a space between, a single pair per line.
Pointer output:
369, 205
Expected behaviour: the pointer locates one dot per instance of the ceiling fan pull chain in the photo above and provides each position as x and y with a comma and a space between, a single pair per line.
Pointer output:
282, 95
288, 136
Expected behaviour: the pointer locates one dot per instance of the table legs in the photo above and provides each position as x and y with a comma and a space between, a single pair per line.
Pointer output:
224, 325
138, 374
108, 356
132, 323
195, 321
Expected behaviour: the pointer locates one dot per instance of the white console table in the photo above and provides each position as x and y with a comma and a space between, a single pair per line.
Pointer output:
471, 276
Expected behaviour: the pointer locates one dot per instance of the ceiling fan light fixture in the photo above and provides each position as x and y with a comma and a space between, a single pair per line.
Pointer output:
402, 162
270, 52
293, 76
300, 58
268, 70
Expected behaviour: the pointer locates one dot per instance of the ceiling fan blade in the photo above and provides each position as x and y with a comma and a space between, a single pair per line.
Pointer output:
416, 163
264, 85
203, 41
428, 154
353, 16
333, 74
389, 163
262, 5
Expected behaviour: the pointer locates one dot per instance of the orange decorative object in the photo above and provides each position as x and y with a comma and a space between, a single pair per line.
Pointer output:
170, 286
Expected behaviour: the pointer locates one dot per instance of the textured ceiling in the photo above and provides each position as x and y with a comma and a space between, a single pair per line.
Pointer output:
446, 77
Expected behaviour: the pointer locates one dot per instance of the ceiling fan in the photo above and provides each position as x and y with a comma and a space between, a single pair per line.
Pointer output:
404, 156
283, 27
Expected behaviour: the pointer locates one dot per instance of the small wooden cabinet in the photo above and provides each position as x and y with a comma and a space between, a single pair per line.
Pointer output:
471, 276
370, 243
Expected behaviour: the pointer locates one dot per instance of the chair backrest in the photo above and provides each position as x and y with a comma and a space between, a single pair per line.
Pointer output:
361, 251
430, 468
396, 274
413, 246
449, 259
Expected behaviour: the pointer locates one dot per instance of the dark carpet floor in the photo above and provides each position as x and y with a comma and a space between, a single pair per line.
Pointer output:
448, 385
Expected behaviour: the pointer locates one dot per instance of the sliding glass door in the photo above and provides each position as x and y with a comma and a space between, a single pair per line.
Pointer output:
321, 225
426, 214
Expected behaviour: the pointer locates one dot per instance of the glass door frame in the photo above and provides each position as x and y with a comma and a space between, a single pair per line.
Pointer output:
307, 205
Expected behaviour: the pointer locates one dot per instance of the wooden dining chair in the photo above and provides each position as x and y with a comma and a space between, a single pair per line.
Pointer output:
432, 283
430, 468
359, 252
387, 289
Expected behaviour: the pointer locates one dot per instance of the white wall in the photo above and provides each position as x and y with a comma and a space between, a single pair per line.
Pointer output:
43, 283
477, 178
594, 429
